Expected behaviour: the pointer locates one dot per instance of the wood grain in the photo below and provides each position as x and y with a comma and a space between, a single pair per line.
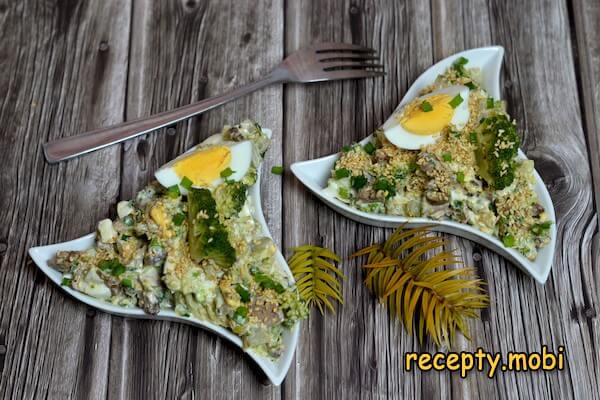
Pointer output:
183, 51
357, 353
68, 66
61, 73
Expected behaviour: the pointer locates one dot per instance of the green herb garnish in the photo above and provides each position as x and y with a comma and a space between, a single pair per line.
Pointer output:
473, 137
173, 191
113, 266
226, 173
426, 106
447, 157
490, 103
243, 292
471, 85
459, 66
240, 315
369, 148
127, 283
277, 170
456, 100
346, 148
460, 177
178, 219
266, 282
385, 185
66, 281
341, 173
541, 228
358, 182
187, 182
509, 240
343, 193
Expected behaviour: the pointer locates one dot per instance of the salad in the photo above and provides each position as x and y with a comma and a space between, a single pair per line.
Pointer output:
195, 247
450, 154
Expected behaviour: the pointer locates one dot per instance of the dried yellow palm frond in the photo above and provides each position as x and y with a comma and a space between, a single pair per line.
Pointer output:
317, 278
421, 291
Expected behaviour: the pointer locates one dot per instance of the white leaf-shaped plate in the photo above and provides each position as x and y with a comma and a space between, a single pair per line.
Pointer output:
315, 173
275, 370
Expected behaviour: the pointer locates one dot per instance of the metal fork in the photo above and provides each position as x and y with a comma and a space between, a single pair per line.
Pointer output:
322, 62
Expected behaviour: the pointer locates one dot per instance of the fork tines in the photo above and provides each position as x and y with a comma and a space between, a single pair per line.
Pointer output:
355, 60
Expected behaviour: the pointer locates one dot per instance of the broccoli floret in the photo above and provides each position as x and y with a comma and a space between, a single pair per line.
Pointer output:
230, 198
498, 146
219, 249
207, 237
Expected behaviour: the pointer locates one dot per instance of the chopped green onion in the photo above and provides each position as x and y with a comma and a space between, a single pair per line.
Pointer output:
343, 193
369, 148
426, 106
266, 282
173, 191
471, 85
155, 243
128, 220
240, 314
243, 292
541, 228
66, 281
473, 137
460, 177
178, 219
346, 148
461, 61
226, 173
127, 283
447, 157
114, 267
455, 102
459, 65
118, 270
187, 182
341, 173
490, 103
358, 182
508, 240
385, 185
277, 170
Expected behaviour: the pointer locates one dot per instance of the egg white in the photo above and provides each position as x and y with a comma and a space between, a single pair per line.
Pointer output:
241, 160
400, 137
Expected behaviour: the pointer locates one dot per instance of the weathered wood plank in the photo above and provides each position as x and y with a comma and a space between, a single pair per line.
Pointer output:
64, 68
62, 71
539, 32
544, 100
183, 51
358, 352
522, 315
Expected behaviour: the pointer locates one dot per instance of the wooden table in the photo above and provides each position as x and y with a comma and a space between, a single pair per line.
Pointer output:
68, 66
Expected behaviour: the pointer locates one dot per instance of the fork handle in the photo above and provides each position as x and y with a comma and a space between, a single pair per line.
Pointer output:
73, 146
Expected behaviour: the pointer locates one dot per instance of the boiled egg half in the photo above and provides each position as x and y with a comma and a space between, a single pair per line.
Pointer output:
208, 166
422, 120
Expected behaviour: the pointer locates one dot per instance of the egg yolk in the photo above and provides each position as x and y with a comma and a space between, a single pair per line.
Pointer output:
203, 167
416, 120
